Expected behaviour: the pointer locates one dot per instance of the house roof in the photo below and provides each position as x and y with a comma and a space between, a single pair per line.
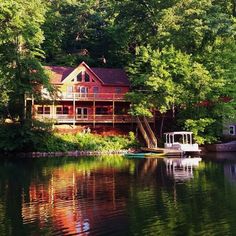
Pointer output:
112, 76
58, 73
108, 76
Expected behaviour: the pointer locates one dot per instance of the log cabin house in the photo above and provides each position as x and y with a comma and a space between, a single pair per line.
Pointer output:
86, 96
90, 96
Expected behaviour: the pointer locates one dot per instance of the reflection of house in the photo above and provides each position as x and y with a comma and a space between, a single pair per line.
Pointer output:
181, 169
75, 201
86, 95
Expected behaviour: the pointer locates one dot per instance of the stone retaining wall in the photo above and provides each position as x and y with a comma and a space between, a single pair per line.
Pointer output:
70, 154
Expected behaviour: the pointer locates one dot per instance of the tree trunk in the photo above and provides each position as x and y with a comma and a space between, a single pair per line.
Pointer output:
162, 124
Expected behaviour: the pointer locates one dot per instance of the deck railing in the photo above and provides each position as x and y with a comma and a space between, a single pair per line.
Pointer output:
91, 96
87, 118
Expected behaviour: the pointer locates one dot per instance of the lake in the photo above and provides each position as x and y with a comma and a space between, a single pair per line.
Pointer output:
118, 196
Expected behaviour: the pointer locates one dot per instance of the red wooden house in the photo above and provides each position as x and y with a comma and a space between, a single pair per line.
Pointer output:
86, 95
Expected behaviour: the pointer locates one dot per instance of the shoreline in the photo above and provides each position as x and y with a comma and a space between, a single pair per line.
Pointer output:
65, 154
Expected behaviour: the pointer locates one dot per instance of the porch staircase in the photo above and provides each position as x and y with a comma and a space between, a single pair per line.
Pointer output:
147, 132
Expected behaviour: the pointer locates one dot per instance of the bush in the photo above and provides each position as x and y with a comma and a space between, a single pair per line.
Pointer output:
40, 137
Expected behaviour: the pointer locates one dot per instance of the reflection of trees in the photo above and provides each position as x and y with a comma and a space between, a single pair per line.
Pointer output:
75, 195
200, 206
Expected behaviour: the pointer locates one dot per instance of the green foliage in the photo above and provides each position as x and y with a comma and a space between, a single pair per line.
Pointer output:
199, 128
27, 137
189, 60
90, 35
20, 39
178, 53
167, 78
39, 136
93, 142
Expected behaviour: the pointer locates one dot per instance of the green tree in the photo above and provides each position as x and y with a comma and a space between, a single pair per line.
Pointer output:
189, 63
20, 38
79, 30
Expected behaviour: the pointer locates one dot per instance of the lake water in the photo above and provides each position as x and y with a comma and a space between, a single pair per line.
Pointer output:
117, 196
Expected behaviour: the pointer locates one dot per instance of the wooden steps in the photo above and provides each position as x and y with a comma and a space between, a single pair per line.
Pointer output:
147, 132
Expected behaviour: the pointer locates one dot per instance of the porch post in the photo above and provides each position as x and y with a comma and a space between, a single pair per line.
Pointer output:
74, 111
32, 105
94, 113
53, 110
113, 112
25, 104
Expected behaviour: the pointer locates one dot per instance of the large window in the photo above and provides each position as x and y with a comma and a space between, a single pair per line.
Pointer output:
79, 77
86, 78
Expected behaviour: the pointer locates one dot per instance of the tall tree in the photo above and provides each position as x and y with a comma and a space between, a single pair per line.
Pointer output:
20, 39
79, 30
203, 32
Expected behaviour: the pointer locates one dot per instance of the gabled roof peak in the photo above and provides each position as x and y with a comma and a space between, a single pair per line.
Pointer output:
107, 76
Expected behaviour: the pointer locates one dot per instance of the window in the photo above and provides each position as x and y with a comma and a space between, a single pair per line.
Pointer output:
101, 110
232, 130
65, 110
117, 90
83, 89
43, 110
62, 110
79, 77
69, 89
86, 78
95, 89
46, 110
40, 110
59, 110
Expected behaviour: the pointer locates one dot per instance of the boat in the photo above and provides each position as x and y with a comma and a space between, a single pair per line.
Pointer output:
144, 155
222, 147
181, 141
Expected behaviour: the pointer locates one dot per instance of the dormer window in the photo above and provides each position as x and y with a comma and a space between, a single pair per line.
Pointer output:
86, 78
79, 77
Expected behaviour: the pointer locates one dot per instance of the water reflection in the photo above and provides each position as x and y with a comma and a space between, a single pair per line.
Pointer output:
181, 169
77, 197
230, 172
116, 196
